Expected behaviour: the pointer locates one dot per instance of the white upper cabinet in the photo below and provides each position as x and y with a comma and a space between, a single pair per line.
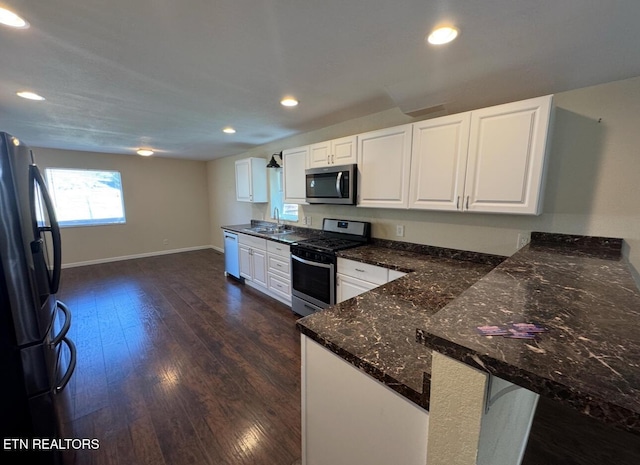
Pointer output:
251, 180
438, 162
384, 159
294, 162
333, 152
507, 151
489, 160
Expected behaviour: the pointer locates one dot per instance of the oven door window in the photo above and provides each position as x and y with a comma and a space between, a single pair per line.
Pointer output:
327, 185
313, 280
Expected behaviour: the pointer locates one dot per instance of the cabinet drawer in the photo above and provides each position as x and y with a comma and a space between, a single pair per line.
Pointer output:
252, 241
373, 274
278, 249
280, 286
279, 264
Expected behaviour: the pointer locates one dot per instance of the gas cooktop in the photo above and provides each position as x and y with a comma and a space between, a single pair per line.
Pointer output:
338, 235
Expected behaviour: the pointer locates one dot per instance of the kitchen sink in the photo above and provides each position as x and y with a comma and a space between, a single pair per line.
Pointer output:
268, 230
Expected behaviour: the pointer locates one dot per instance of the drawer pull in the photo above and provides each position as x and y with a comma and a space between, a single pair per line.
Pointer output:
358, 269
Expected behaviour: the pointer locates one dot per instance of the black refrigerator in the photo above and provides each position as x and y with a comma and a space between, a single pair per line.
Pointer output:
37, 356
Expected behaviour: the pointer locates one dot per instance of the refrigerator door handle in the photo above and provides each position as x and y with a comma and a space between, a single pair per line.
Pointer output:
65, 327
70, 368
54, 228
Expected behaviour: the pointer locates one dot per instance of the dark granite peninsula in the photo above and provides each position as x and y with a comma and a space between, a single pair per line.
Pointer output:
375, 331
588, 362
583, 292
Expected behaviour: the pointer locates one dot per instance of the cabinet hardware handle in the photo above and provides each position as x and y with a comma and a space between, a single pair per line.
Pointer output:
328, 159
467, 202
458, 203
358, 269
332, 156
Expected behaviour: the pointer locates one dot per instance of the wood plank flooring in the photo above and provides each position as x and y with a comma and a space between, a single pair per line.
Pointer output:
179, 365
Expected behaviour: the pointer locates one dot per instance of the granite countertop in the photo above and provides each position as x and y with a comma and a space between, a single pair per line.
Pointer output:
590, 357
375, 331
293, 234
578, 287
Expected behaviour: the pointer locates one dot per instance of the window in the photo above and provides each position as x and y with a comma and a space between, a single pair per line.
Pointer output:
86, 197
288, 211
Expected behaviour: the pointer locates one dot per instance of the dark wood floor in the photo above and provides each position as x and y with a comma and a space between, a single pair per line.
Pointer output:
179, 365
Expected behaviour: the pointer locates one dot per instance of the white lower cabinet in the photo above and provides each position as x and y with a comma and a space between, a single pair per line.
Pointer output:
266, 266
253, 259
350, 418
348, 287
279, 271
354, 278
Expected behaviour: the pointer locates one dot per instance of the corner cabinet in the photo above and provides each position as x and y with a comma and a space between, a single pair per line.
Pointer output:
507, 151
333, 152
384, 159
251, 180
294, 162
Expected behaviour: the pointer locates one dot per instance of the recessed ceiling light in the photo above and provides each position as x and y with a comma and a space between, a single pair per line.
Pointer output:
29, 95
9, 18
443, 35
289, 102
145, 152
229, 130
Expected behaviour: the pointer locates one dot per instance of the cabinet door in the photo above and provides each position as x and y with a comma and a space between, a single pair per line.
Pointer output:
383, 167
319, 154
344, 150
507, 150
294, 161
259, 258
243, 181
439, 162
251, 180
347, 287
245, 262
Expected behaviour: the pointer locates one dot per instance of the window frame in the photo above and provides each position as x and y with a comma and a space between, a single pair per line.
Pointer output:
50, 174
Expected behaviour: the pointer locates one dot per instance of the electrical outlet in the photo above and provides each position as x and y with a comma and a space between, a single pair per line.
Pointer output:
523, 239
165, 242
399, 230
307, 220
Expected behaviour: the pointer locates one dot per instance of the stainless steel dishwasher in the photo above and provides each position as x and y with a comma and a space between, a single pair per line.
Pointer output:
231, 257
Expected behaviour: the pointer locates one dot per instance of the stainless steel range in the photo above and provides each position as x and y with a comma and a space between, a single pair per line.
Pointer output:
313, 263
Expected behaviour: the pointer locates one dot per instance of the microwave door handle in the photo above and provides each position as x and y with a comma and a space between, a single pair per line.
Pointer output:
339, 185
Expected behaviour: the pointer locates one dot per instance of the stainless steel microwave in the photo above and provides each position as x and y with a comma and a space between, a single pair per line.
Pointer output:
332, 184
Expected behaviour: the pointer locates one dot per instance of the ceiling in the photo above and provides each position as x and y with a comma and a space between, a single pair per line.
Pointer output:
170, 75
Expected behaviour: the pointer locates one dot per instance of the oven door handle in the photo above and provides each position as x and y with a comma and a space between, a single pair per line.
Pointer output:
311, 263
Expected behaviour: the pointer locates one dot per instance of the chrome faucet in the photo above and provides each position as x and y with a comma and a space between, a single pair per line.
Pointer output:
276, 214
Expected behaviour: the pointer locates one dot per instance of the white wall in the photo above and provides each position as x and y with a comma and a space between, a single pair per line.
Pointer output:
592, 184
164, 199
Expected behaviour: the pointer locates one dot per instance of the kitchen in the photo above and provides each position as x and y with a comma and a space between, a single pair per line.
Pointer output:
591, 189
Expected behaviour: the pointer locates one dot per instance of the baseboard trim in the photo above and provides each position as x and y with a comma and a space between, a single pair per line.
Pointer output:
141, 255
219, 249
